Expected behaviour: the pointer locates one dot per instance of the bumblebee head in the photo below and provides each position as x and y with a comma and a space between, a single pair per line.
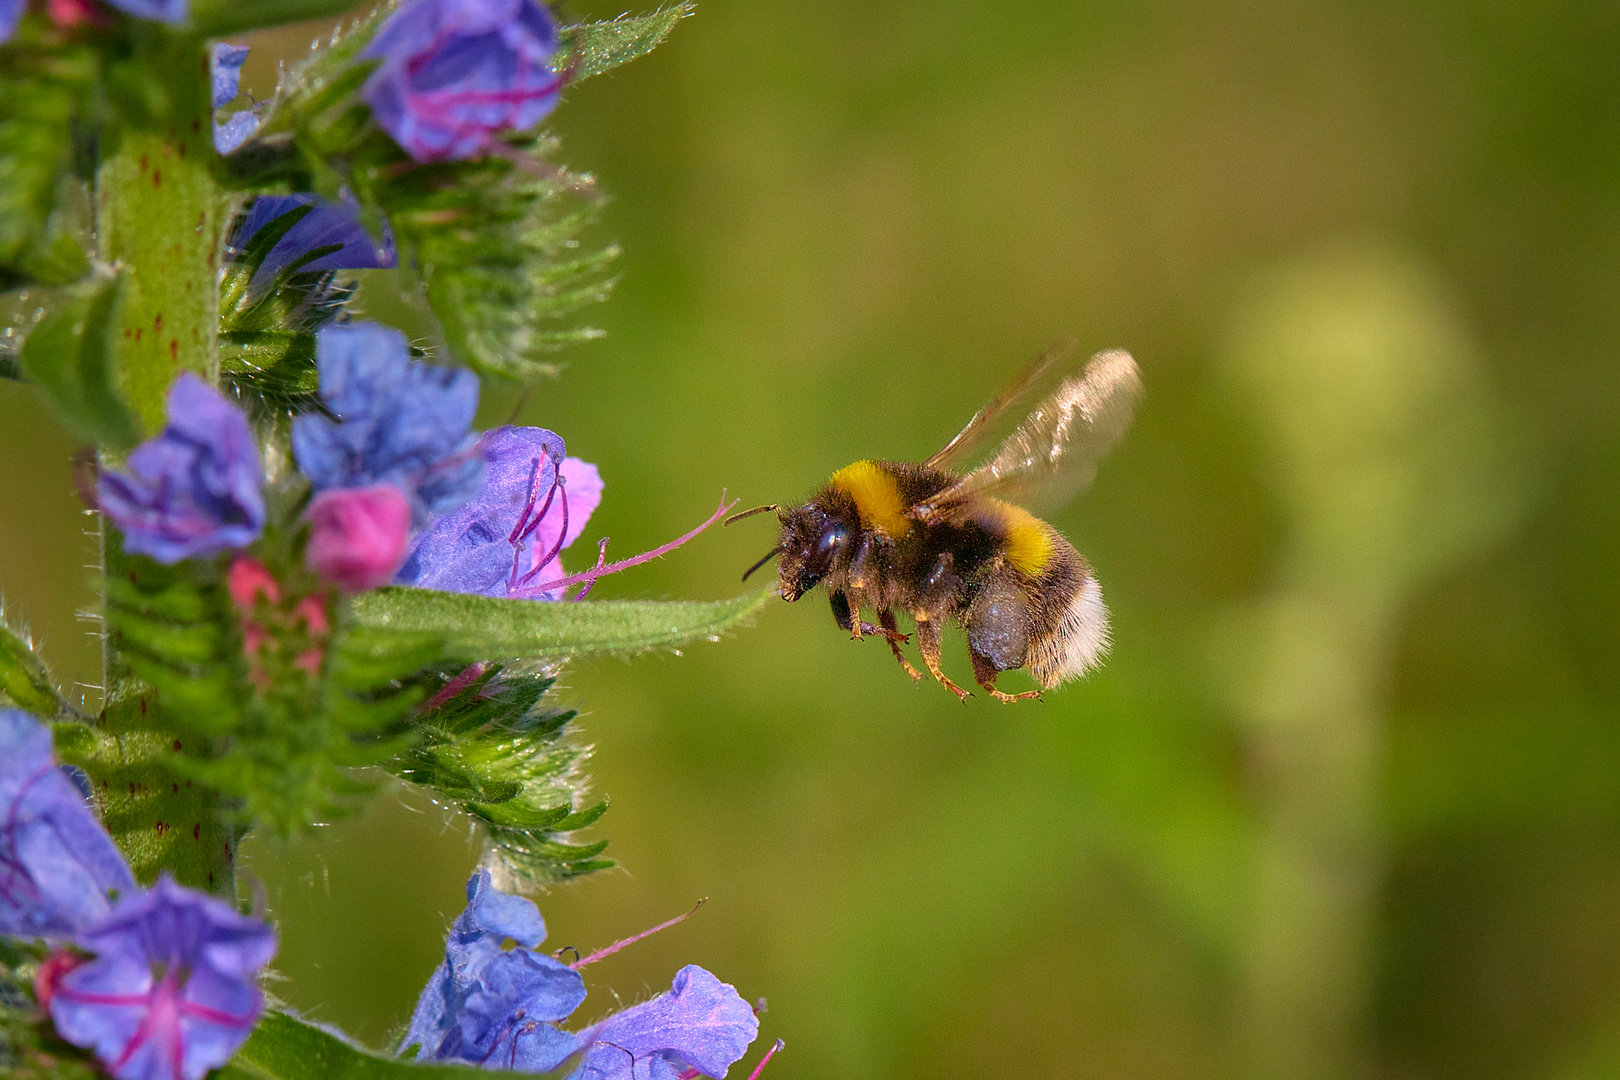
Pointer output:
813, 542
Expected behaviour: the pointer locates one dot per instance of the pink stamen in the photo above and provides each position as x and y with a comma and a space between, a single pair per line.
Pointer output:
455, 686
600, 954
601, 557
762, 1061
561, 536
614, 568
527, 524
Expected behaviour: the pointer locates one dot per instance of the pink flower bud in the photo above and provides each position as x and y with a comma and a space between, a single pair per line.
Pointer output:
357, 537
247, 580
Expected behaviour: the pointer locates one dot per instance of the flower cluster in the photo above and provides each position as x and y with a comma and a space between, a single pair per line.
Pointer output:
307, 456
498, 1007
169, 989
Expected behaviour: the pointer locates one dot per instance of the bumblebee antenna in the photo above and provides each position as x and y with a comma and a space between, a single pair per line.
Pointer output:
749, 513
769, 555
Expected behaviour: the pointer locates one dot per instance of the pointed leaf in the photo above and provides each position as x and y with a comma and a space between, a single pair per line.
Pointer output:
24, 682
598, 47
490, 628
69, 354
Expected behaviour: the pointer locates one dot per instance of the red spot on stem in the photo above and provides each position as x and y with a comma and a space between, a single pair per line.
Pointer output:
157, 323
157, 177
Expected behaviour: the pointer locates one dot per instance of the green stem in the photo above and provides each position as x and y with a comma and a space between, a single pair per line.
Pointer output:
159, 216
1316, 736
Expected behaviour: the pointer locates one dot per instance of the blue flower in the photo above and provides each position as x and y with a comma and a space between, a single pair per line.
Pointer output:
491, 1006
533, 503
455, 74
162, 10
226, 62
10, 12
700, 1024
399, 422
58, 866
170, 993
193, 490
330, 231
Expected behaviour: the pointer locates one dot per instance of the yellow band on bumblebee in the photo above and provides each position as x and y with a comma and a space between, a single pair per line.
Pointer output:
877, 497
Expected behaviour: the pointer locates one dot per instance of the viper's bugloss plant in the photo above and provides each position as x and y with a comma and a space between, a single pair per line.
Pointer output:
315, 570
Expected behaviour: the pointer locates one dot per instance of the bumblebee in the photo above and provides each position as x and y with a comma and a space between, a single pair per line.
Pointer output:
949, 546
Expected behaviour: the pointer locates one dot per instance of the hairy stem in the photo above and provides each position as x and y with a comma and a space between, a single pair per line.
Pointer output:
158, 215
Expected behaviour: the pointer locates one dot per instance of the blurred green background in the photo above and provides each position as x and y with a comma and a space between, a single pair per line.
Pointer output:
1345, 801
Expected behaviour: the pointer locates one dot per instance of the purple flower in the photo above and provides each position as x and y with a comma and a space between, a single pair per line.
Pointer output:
58, 867
10, 12
455, 74
700, 1024
330, 231
163, 10
399, 422
357, 535
194, 489
226, 62
170, 993
491, 1006
534, 502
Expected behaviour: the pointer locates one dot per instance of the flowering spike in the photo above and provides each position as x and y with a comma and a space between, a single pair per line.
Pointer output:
602, 954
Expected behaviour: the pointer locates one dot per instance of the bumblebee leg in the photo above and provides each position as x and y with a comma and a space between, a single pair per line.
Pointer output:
891, 631
928, 638
840, 609
985, 671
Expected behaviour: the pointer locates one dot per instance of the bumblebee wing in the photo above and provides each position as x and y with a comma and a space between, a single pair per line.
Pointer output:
970, 437
1056, 450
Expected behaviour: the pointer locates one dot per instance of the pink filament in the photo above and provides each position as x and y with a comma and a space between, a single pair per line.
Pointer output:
768, 1055
613, 568
600, 954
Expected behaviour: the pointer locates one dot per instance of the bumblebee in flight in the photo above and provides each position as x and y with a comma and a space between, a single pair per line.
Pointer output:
945, 545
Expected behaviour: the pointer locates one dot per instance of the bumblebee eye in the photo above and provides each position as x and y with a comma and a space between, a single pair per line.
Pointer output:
829, 541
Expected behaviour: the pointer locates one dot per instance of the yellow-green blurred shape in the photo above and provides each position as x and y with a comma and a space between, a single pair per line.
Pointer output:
1385, 445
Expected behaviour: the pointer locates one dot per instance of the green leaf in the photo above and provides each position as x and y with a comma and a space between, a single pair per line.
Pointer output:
216, 18
44, 88
24, 681
283, 1047
491, 628
69, 354
597, 47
